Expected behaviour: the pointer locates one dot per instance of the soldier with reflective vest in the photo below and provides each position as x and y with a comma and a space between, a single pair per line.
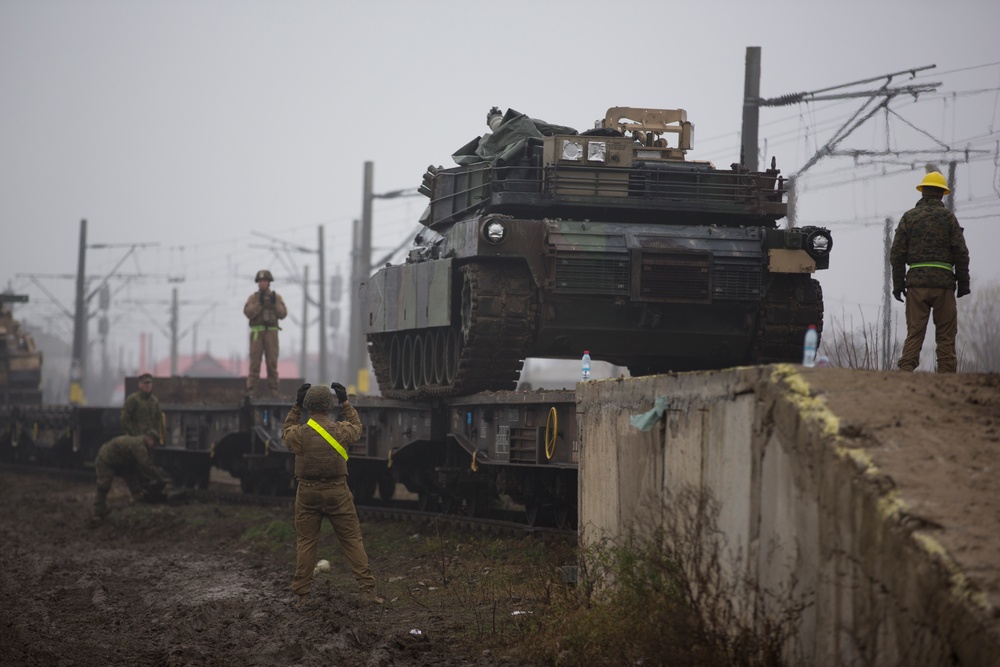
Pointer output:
321, 452
263, 309
931, 242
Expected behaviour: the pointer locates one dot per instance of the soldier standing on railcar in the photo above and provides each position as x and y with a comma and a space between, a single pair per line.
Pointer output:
320, 448
930, 240
264, 308
141, 410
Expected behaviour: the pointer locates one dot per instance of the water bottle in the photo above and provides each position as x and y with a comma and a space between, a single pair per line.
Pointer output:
585, 366
809, 350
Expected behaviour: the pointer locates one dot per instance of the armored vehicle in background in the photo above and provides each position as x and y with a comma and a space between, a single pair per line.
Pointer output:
545, 242
20, 360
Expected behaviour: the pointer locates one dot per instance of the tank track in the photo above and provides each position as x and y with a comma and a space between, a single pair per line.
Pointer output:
495, 323
793, 302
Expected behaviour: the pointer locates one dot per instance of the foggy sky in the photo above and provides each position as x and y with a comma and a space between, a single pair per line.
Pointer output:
197, 127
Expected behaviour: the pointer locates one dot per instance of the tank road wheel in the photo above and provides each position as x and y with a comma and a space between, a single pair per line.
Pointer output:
417, 361
395, 363
427, 357
406, 362
439, 339
452, 356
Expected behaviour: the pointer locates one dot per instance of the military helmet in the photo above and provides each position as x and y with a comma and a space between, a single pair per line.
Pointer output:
318, 398
263, 274
155, 435
934, 179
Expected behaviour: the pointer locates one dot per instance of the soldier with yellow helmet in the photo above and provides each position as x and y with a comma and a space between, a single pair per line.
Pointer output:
263, 309
930, 240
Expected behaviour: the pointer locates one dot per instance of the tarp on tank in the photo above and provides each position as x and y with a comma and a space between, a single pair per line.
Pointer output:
508, 139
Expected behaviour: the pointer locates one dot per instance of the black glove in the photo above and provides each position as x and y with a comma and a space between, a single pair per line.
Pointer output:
899, 294
339, 390
301, 395
962, 291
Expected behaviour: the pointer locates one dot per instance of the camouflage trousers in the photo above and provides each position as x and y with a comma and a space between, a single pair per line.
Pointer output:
332, 500
263, 344
105, 476
921, 302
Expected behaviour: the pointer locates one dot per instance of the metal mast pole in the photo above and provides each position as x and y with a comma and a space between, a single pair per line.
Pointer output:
78, 368
303, 354
886, 293
751, 109
324, 369
173, 334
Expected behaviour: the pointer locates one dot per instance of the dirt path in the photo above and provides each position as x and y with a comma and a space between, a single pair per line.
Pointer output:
208, 585
935, 440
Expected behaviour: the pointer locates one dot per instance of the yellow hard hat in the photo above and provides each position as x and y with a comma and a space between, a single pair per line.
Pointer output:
934, 179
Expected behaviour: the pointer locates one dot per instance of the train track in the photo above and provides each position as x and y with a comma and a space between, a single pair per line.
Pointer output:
502, 523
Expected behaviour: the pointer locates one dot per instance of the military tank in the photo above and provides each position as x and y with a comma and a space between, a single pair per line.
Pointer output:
546, 242
20, 360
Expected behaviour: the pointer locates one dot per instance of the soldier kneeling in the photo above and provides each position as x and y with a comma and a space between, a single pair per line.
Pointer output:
127, 456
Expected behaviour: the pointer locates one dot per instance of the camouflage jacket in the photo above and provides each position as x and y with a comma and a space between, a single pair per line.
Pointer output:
128, 452
140, 413
265, 309
929, 232
315, 458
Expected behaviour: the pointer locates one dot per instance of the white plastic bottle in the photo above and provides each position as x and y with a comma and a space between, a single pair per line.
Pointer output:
809, 349
585, 366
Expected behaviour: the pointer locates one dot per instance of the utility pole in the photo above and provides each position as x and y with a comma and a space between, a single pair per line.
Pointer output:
751, 109
886, 293
357, 358
78, 367
303, 352
324, 368
357, 365
950, 197
173, 334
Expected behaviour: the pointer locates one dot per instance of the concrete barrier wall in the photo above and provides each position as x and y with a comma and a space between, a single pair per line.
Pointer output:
798, 512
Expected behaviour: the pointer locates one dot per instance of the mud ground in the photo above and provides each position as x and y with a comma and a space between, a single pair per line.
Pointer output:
208, 584
200, 584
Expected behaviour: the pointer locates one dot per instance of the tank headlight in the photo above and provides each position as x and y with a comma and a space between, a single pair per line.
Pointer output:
596, 150
819, 243
572, 150
495, 232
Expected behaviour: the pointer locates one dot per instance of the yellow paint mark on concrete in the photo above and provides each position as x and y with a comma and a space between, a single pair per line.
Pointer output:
961, 589
810, 407
890, 505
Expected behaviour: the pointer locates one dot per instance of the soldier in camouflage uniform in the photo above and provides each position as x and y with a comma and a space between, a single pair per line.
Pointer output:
141, 411
930, 240
127, 456
320, 448
264, 308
